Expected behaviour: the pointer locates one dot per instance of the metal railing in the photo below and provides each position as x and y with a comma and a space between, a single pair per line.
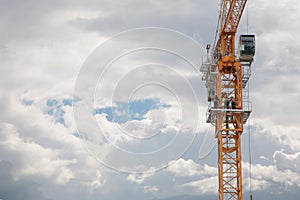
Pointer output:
212, 111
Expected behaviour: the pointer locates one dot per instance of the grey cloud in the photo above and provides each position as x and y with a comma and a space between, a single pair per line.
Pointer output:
26, 26
186, 16
263, 145
18, 189
285, 161
25, 19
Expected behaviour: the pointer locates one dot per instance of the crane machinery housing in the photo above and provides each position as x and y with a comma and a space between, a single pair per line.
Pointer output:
226, 76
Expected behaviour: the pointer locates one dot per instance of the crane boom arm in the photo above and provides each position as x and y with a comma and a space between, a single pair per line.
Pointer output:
231, 14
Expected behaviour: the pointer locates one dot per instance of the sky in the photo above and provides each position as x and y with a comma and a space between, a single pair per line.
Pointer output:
104, 100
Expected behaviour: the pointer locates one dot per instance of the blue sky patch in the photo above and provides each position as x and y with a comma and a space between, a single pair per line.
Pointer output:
27, 102
133, 110
67, 102
55, 109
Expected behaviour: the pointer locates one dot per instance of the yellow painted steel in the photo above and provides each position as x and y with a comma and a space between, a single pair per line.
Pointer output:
229, 125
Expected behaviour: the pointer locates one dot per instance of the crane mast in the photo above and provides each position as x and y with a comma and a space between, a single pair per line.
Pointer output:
226, 77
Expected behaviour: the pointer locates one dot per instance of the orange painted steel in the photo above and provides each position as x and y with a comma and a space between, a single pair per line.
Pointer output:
229, 125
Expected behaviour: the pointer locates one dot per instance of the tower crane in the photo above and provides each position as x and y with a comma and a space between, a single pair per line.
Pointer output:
226, 76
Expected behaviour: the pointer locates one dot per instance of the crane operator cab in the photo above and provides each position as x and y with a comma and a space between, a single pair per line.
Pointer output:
246, 48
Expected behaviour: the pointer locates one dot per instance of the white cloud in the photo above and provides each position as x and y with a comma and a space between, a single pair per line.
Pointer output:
256, 184
183, 167
138, 177
271, 174
284, 136
284, 161
65, 176
97, 182
148, 188
206, 185
30, 158
41, 54
209, 170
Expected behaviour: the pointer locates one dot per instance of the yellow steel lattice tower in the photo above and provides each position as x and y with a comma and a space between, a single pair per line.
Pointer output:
226, 77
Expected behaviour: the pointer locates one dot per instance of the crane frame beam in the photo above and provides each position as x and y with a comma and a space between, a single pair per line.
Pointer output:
229, 127
225, 80
232, 11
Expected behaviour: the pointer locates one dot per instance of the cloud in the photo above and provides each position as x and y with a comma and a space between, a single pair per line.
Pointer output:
98, 182
139, 177
11, 188
284, 161
183, 167
130, 14
206, 185
285, 178
150, 188
256, 184
42, 47
32, 157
